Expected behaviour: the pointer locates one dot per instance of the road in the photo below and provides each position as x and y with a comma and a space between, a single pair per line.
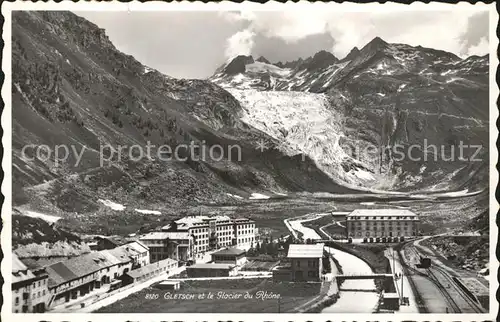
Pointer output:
93, 301
124, 293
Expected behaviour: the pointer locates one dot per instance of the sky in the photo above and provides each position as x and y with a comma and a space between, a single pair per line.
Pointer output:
192, 44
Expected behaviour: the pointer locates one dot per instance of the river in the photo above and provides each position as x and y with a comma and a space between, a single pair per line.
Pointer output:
356, 296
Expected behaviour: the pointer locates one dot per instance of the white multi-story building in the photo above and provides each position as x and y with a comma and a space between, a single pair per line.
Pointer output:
382, 223
215, 232
178, 245
245, 233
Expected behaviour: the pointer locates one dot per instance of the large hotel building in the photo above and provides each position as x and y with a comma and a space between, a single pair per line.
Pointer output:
184, 238
382, 223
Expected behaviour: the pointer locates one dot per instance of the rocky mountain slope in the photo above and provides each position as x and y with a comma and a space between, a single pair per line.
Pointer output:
382, 104
72, 87
316, 117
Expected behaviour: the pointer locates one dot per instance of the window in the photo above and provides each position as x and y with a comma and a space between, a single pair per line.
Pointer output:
17, 300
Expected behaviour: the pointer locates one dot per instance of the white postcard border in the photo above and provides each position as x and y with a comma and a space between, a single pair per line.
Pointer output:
6, 121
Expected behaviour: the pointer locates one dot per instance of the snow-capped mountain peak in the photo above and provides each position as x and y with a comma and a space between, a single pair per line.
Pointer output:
382, 94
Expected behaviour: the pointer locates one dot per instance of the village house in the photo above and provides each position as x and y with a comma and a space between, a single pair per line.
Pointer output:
78, 276
211, 270
81, 275
137, 251
230, 256
306, 262
176, 245
29, 288
149, 271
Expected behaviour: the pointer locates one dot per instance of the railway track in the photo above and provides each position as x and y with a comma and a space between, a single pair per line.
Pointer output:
454, 306
418, 297
438, 276
471, 302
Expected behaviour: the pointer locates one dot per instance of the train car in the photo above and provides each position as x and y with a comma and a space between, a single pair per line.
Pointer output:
425, 262
115, 285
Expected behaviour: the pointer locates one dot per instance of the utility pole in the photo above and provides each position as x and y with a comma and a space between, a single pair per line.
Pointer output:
402, 296
393, 263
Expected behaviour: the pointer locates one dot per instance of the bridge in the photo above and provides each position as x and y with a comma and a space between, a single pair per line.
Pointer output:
362, 276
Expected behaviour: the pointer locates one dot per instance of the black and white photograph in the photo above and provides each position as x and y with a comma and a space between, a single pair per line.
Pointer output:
291, 158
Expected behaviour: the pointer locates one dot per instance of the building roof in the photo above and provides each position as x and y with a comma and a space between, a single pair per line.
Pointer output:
159, 235
305, 251
114, 240
17, 264
141, 271
84, 265
211, 266
59, 274
125, 253
114, 257
381, 212
80, 266
246, 220
31, 264
391, 295
190, 221
138, 246
170, 282
230, 251
20, 272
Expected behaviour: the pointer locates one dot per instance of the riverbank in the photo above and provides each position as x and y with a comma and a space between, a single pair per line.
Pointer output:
354, 296
371, 254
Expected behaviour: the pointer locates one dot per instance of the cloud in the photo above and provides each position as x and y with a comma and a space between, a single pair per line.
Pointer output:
453, 30
241, 43
290, 26
480, 49
474, 40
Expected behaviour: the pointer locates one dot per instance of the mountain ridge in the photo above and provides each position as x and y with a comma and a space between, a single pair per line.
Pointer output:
397, 94
72, 87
